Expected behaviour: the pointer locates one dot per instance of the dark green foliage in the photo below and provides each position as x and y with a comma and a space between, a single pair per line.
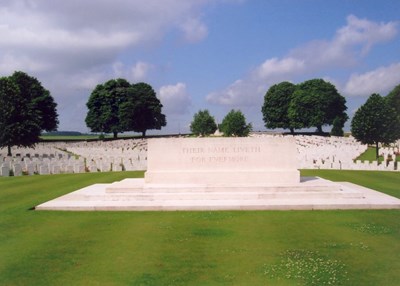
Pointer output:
276, 105
337, 128
142, 110
104, 104
376, 122
234, 124
26, 109
393, 99
316, 103
39, 99
203, 123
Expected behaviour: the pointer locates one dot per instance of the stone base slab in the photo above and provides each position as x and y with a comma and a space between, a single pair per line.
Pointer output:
136, 195
274, 177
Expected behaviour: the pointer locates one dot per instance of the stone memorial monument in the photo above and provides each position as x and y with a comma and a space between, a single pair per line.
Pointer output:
222, 161
222, 174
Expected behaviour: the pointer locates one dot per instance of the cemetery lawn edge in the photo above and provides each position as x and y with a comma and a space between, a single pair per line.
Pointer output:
359, 247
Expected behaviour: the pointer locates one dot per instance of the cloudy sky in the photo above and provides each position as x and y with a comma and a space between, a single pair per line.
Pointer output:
201, 54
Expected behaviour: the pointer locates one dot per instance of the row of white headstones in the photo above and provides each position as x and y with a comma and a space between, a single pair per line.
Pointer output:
314, 152
340, 153
75, 157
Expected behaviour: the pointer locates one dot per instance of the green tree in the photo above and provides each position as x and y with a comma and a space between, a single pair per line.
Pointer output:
234, 124
375, 122
39, 99
203, 123
26, 109
337, 127
276, 105
316, 103
104, 105
393, 99
142, 110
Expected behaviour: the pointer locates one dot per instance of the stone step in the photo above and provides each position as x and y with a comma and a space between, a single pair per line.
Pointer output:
214, 205
347, 196
139, 186
222, 195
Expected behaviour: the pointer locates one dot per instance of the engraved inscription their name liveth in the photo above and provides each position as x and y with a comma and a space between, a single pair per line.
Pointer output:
223, 149
221, 160
219, 154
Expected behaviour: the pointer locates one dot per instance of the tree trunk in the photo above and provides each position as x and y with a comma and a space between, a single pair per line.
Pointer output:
291, 130
319, 128
144, 133
377, 151
115, 135
9, 150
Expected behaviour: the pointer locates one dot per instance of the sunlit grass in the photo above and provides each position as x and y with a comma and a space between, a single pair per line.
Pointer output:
370, 155
194, 248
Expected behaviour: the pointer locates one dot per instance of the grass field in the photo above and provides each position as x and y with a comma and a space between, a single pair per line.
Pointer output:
194, 248
68, 137
82, 137
370, 155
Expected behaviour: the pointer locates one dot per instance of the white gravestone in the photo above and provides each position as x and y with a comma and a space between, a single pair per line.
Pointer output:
5, 171
17, 169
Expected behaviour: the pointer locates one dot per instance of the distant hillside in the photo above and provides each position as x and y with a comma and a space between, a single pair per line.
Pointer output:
62, 133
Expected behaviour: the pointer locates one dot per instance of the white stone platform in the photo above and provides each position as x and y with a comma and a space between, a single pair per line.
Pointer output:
311, 193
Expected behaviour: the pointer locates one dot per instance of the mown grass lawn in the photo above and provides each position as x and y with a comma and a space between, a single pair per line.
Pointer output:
370, 155
194, 248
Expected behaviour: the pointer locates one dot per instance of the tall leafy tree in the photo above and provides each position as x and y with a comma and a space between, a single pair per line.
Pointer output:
26, 109
234, 124
203, 123
104, 105
142, 111
39, 99
393, 99
337, 127
375, 122
316, 103
276, 105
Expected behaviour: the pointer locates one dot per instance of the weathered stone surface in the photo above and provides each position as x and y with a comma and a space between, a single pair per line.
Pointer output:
5, 171
222, 174
266, 161
17, 169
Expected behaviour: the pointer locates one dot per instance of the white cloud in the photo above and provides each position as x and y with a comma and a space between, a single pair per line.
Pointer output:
175, 98
239, 94
349, 44
276, 69
136, 73
73, 35
362, 31
82, 34
194, 30
10, 62
140, 70
380, 80
71, 46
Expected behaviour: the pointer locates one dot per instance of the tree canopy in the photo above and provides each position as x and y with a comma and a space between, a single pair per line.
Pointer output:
393, 99
375, 122
316, 103
203, 123
104, 105
337, 127
234, 124
142, 110
276, 105
26, 109
118, 106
